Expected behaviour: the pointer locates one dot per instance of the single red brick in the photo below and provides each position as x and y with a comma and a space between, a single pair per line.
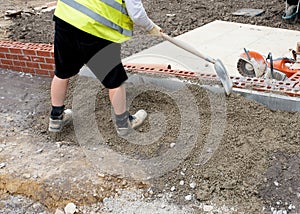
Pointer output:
32, 64
4, 50
42, 72
29, 52
47, 66
45, 46
50, 60
19, 63
15, 50
38, 59
11, 56
24, 58
28, 70
6, 61
44, 53
4, 66
2, 56
16, 68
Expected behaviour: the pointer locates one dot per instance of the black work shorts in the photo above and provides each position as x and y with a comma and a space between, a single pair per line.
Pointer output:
74, 48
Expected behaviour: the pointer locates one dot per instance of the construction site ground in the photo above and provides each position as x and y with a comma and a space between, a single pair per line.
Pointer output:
253, 168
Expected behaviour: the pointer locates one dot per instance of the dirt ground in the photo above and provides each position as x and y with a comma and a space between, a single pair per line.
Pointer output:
210, 154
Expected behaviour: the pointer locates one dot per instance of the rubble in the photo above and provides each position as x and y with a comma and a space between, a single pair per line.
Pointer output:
13, 13
2, 165
70, 208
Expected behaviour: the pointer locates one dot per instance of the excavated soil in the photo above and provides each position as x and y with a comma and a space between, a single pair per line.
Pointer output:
230, 155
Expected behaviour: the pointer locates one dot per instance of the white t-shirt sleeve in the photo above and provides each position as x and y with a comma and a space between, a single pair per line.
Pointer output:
138, 14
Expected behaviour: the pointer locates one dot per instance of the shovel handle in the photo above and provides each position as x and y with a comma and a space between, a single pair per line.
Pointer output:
187, 47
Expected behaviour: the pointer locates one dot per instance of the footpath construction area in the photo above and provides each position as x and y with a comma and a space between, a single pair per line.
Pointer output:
199, 151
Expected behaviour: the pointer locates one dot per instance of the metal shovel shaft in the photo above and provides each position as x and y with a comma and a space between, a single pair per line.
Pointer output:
188, 48
218, 65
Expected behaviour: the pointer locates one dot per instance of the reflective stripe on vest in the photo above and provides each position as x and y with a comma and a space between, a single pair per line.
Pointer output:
102, 20
116, 5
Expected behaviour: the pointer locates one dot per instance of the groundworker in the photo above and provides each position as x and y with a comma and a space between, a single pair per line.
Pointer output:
91, 32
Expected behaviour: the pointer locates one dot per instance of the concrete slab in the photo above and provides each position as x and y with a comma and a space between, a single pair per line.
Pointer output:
223, 40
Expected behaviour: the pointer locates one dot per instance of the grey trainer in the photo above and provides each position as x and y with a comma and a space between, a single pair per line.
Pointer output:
134, 122
56, 125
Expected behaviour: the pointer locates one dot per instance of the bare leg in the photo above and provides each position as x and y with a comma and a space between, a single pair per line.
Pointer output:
58, 91
117, 98
124, 121
57, 119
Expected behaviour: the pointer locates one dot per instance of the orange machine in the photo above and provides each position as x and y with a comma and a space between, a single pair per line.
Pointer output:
254, 64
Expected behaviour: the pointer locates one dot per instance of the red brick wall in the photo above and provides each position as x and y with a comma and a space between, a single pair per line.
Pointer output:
37, 59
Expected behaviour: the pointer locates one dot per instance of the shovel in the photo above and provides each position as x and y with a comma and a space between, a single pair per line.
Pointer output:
218, 65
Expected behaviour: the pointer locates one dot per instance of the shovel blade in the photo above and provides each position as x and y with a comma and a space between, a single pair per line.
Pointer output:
223, 75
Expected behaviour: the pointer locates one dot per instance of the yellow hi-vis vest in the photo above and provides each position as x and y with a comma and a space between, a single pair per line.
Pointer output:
107, 19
